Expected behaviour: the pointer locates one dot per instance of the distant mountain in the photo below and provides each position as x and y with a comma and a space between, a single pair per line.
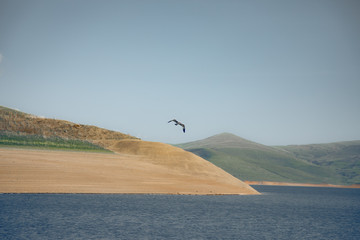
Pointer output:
252, 161
224, 140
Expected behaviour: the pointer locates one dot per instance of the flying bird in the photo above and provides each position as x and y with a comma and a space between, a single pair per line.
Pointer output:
178, 123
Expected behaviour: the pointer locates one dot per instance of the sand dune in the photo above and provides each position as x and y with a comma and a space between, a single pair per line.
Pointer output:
136, 167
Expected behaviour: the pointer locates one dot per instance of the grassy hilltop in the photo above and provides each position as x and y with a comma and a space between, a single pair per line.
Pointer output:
256, 162
26, 130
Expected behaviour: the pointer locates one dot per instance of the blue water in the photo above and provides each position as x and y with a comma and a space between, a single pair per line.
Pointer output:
280, 213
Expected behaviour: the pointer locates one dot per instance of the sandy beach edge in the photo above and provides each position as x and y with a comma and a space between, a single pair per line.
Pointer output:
269, 183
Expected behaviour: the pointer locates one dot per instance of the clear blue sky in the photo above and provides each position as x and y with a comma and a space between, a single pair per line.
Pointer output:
275, 72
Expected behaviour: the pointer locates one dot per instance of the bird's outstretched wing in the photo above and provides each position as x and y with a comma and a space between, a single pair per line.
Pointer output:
183, 126
174, 120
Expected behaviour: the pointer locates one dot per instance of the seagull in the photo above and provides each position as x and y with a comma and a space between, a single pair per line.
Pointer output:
178, 123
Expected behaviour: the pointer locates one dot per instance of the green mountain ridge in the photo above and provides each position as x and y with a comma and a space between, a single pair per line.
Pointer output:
341, 157
336, 163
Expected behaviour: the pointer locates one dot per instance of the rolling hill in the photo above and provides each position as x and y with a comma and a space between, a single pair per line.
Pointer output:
341, 157
256, 162
135, 166
16, 122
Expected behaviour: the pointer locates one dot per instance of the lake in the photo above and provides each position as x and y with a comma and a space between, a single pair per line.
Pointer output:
280, 213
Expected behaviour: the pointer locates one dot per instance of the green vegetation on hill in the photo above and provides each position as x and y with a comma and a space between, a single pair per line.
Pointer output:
36, 141
26, 124
26, 130
251, 161
342, 157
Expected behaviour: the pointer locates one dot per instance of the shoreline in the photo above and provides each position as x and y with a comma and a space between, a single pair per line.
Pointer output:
269, 183
112, 193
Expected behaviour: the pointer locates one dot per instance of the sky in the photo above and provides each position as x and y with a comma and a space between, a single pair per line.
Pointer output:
275, 72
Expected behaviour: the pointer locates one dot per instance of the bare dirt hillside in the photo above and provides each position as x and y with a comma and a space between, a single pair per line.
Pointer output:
43, 171
135, 167
185, 163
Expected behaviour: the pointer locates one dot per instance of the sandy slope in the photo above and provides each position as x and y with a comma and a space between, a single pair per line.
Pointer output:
136, 167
